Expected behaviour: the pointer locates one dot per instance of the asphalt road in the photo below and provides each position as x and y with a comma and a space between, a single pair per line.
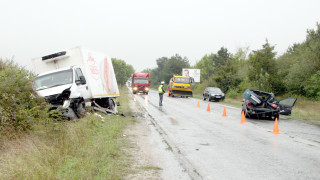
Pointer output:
210, 146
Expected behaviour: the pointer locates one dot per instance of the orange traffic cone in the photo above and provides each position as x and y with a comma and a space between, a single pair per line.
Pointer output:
276, 128
224, 114
208, 108
198, 106
243, 118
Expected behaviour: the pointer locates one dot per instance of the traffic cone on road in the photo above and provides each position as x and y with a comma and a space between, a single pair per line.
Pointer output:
208, 108
276, 128
198, 106
224, 114
243, 118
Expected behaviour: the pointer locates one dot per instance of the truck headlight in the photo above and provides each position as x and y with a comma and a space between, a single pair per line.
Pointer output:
135, 88
147, 89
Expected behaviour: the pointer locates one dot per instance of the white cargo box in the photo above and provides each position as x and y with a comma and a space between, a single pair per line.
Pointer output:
96, 67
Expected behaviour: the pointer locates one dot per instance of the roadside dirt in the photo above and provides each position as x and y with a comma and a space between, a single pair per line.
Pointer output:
152, 156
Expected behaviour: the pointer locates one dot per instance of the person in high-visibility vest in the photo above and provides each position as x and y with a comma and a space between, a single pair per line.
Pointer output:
161, 92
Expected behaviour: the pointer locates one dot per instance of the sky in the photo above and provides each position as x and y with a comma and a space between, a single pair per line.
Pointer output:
141, 31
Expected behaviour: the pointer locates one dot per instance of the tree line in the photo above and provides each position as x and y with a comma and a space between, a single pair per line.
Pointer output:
297, 71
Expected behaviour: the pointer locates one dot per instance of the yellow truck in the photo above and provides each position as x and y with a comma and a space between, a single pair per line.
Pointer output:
180, 86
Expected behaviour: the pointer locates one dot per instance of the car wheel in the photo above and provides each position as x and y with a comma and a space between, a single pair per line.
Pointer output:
204, 98
246, 114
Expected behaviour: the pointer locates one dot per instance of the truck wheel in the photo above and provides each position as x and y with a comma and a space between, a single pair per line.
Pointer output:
81, 110
111, 104
134, 92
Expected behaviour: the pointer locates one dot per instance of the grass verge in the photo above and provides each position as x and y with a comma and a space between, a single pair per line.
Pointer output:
91, 148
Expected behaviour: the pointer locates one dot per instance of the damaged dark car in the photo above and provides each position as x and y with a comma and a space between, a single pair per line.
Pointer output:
263, 105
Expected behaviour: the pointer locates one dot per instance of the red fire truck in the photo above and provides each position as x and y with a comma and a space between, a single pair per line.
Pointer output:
140, 82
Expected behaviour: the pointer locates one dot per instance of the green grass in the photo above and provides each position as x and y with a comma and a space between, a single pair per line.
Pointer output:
306, 109
90, 148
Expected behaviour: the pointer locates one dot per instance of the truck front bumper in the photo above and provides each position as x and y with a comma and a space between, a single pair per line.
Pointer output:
181, 93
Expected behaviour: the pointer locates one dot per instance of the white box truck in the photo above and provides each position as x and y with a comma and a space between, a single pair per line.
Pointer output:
76, 78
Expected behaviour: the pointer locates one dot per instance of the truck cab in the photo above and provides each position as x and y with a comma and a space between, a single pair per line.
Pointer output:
140, 82
64, 87
180, 86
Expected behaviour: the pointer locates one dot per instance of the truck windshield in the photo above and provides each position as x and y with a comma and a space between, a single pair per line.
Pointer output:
141, 80
182, 80
53, 80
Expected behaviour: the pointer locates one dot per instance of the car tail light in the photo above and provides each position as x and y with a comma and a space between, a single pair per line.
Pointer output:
249, 103
274, 106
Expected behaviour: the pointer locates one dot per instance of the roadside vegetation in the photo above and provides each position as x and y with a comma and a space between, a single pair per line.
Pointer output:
35, 145
20, 107
122, 70
89, 148
295, 73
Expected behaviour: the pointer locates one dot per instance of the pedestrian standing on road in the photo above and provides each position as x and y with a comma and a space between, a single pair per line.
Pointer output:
161, 92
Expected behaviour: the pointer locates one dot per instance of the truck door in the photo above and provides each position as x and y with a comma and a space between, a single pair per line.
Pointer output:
82, 86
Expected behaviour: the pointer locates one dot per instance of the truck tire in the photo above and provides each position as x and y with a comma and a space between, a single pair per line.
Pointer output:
81, 110
112, 104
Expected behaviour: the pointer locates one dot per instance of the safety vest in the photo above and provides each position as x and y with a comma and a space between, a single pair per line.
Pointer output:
160, 89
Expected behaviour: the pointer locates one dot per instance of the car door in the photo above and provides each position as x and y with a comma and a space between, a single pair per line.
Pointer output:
286, 105
205, 94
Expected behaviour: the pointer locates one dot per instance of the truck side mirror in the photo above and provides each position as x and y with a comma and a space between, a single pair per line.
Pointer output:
82, 80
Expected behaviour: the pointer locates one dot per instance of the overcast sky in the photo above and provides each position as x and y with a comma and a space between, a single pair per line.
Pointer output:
140, 31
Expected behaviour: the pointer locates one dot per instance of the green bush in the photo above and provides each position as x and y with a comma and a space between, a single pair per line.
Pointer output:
312, 88
232, 93
20, 107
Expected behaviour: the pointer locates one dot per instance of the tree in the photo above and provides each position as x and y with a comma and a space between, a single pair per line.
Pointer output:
167, 67
174, 66
227, 77
206, 66
300, 65
222, 57
122, 70
262, 71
